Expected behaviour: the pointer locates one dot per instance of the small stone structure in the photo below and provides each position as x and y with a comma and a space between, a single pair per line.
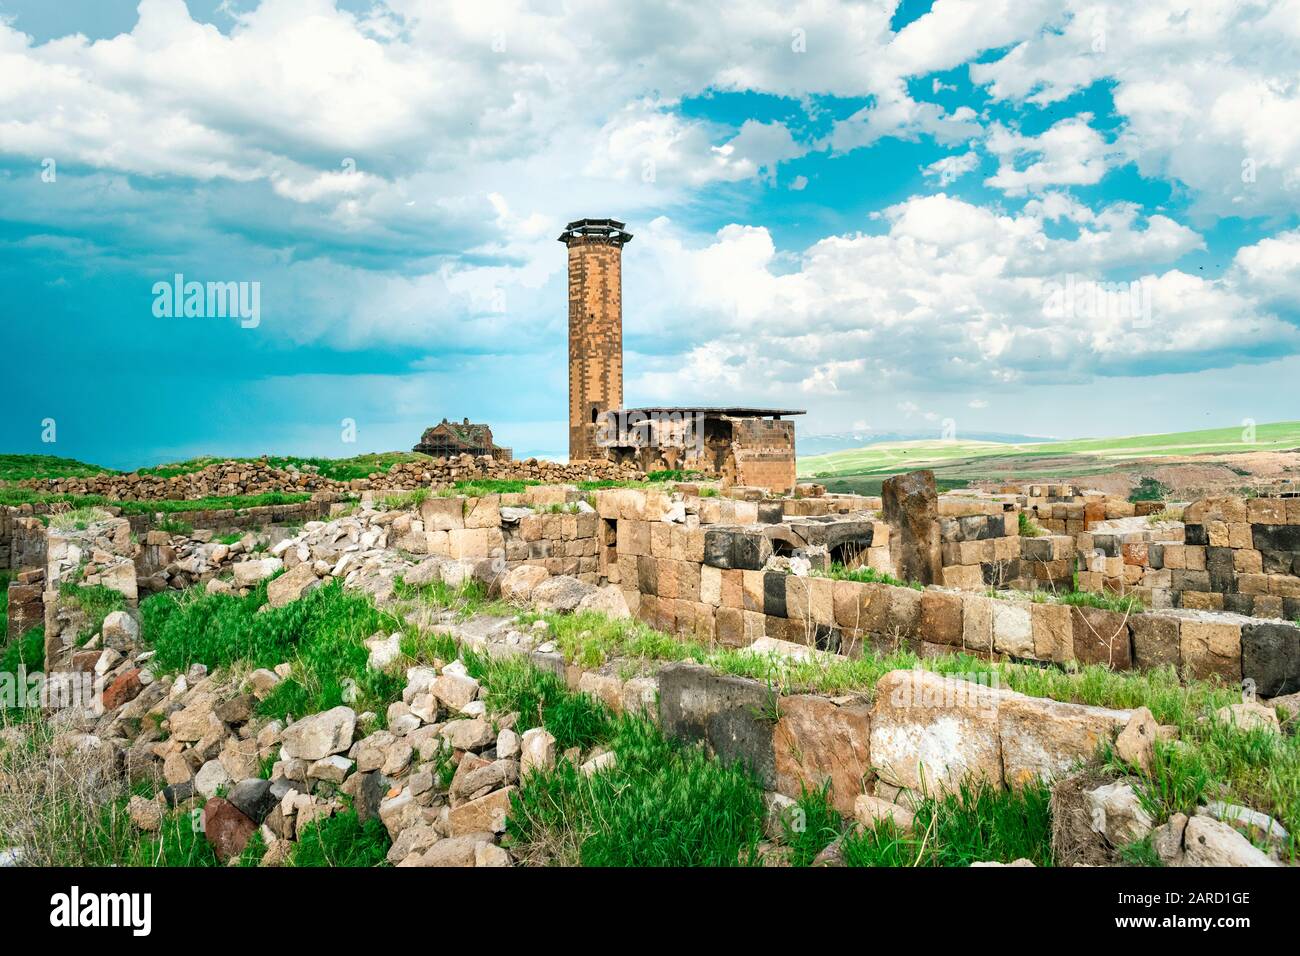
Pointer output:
453, 439
753, 447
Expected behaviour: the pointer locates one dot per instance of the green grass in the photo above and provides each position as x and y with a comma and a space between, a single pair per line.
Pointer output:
976, 824
589, 639
22, 467
400, 500
541, 699
95, 601
22, 496
468, 600
864, 575
337, 469
1029, 527
1104, 601
78, 519
811, 826
662, 804
1149, 489
481, 487
321, 635
973, 459
342, 840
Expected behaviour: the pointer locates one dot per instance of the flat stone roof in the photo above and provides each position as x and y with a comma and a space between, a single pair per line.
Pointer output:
733, 411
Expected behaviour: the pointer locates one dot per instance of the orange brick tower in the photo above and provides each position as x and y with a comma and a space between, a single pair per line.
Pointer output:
595, 327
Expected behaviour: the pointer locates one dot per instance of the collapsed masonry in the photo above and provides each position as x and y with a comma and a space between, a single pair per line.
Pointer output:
722, 567
753, 447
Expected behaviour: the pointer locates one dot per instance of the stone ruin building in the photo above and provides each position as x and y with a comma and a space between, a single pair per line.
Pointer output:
742, 446
450, 439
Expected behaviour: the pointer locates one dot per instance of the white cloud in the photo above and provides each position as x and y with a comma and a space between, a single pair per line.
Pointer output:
951, 296
1069, 153
1202, 88
951, 168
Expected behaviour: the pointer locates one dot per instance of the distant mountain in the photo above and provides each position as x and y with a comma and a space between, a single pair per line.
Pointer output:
808, 445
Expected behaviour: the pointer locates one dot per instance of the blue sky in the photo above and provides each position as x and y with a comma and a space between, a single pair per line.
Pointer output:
869, 210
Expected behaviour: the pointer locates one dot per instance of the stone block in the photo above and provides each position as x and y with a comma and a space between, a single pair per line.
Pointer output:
1156, 640
1053, 631
1211, 649
1101, 637
932, 733
1270, 656
1013, 632
941, 617
729, 713
817, 742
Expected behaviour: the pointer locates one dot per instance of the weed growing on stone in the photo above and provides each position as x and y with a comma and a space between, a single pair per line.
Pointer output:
589, 639
1029, 527
321, 635
342, 840
811, 825
541, 699
1119, 603
661, 804
96, 603
865, 575
978, 823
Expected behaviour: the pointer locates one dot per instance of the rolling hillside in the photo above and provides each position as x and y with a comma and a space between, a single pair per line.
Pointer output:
959, 461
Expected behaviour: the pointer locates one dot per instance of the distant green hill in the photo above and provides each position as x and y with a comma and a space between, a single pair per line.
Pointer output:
958, 461
18, 467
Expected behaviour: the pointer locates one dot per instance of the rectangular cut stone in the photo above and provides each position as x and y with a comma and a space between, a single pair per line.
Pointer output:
932, 733
1101, 637
1045, 738
817, 742
1211, 649
1053, 632
977, 622
941, 617
1013, 631
1156, 641
1270, 656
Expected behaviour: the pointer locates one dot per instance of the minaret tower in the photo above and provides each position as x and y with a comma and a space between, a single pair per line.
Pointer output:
595, 327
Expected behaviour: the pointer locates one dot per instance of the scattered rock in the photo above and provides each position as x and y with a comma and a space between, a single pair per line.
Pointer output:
561, 593
1117, 814
1249, 715
538, 750
1255, 826
226, 828
1135, 743
608, 600
212, 776
1208, 842
145, 814
289, 586
320, 735
869, 810
518, 584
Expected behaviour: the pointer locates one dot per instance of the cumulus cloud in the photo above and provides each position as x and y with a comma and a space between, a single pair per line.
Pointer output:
951, 168
1209, 92
952, 296
1069, 153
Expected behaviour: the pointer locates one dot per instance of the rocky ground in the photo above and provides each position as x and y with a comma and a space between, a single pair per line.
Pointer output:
471, 707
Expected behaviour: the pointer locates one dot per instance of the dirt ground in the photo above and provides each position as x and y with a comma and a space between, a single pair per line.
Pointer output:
1194, 475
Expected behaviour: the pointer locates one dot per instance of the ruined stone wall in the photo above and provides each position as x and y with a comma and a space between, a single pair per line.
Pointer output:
711, 579
980, 543
763, 450
252, 478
